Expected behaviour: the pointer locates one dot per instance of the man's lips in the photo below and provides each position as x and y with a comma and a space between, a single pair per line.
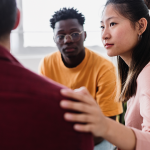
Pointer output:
107, 45
69, 49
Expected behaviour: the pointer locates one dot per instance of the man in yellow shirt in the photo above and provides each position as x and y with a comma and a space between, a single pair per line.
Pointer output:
75, 66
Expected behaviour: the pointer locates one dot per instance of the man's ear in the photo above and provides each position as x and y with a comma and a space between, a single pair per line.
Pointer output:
142, 25
17, 19
53, 39
85, 35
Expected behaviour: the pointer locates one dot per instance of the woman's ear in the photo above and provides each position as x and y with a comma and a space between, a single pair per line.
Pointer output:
17, 19
142, 25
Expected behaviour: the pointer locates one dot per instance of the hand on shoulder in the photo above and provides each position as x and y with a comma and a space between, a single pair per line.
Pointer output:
90, 116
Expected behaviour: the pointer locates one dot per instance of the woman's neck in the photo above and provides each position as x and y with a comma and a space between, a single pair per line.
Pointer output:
127, 58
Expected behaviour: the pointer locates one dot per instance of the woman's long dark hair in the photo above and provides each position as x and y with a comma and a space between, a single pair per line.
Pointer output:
134, 10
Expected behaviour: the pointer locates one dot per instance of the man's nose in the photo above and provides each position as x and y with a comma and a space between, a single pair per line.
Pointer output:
68, 39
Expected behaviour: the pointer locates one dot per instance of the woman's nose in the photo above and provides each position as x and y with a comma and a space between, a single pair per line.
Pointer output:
106, 34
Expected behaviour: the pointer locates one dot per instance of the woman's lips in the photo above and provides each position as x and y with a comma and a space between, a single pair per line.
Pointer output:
108, 45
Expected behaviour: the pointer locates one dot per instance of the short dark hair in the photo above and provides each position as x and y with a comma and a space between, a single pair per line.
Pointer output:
67, 13
134, 11
8, 13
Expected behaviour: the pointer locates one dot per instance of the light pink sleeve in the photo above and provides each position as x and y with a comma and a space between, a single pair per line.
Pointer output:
143, 140
143, 137
145, 112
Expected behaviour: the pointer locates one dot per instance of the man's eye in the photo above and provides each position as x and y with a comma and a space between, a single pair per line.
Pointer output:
75, 34
60, 37
112, 24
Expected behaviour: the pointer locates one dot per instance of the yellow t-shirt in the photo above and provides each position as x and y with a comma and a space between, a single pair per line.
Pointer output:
96, 73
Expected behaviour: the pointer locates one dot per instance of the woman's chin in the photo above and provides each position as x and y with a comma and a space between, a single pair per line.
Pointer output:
111, 54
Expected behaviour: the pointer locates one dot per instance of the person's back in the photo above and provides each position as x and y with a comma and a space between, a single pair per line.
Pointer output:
29, 111
30, 115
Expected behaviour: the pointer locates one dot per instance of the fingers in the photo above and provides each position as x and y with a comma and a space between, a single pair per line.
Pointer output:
82, 90
77, 106
82, 118
83, 128
78, 96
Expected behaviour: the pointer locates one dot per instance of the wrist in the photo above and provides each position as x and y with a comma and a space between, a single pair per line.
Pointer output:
106, 127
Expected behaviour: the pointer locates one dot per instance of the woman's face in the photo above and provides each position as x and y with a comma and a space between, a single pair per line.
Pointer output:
119, 37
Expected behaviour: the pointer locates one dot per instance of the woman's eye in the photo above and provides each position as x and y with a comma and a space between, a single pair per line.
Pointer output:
112, 24
102, 27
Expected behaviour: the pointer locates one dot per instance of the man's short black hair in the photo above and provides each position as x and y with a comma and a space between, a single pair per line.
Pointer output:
67, 13
8, 13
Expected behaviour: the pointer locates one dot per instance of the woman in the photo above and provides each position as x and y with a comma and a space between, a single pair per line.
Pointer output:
125, 33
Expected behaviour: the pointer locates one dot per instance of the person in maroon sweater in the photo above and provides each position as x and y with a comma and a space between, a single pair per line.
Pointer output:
30, 114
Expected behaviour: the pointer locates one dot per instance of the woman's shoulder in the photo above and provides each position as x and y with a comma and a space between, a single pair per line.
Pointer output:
144, 77
145, 73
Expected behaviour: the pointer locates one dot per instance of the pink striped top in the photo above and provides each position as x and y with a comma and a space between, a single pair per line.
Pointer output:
138, 110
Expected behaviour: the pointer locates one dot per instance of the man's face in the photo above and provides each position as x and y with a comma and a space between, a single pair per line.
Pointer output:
67, 47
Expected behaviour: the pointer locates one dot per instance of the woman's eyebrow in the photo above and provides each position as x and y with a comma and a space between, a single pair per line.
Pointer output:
109, 19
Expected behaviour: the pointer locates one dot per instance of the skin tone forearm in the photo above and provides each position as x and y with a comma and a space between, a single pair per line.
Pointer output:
119, 135
124, 137
94, 120
98, 140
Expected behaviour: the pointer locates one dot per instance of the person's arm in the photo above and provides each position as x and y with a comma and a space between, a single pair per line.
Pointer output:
98, 140
143, 137
101, 126
94, 120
